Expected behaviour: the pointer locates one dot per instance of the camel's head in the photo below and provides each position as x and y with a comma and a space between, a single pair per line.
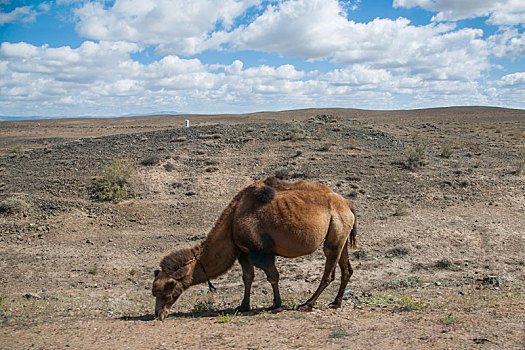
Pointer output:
166, 290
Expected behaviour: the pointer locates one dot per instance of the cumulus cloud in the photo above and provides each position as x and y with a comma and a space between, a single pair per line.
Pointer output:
19, 14
101, 79
513, 79
383, 63
509, 90
179, 27
508, 43
319, 30
500, 12
312, 29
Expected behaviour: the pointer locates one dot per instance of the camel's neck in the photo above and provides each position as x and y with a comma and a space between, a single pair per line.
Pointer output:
217, 253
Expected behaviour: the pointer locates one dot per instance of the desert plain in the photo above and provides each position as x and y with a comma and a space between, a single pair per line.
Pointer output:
440, 198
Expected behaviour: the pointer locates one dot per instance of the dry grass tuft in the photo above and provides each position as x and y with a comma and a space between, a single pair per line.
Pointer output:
402, 209
520, 167
446, 150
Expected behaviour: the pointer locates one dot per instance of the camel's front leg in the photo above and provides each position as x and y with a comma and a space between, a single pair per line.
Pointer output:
272, 275
248, 274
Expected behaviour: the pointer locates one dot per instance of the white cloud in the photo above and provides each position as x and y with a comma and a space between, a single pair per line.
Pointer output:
319, 30
509, 90
19, 14
180, 27
511, 80
500, 12
101, 79
508, 43
383, 63
312, 29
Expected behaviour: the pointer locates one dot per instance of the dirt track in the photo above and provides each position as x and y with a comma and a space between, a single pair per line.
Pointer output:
77, 272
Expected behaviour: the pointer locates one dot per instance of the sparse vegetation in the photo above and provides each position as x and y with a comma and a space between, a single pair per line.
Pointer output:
445, 263
325, 146
339, 333
416, 154
519, 167
282, 173
407, 282
13, 206
226, 318
296, 133
398, 250
150, 161
203, 305
415, 158
448, 320
6, 308
169, 167
402, 209
446, 150
444, 235
119, 181
17, 149
407, 303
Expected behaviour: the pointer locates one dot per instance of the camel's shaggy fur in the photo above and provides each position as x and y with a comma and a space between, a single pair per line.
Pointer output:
268, 218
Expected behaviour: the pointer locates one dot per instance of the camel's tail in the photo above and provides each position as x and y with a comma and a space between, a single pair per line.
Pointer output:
353, 232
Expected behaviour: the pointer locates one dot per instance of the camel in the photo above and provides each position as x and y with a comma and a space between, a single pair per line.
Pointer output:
269, 218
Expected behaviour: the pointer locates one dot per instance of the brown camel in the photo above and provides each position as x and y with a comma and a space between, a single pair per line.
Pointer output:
268, 218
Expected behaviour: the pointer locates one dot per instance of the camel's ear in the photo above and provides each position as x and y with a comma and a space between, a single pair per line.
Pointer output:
156, 272
181, 272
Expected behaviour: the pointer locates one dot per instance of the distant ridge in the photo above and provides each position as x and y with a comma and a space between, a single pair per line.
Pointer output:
36, 117
299, 111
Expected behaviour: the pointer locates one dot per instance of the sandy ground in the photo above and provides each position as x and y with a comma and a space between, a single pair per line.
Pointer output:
440, 195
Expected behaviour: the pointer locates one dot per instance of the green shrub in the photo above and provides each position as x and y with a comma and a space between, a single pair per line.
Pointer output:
119, 181
407, 303
226, 318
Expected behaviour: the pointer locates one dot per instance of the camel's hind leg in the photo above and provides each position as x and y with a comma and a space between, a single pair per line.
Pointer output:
332, 256
346, 273
248, 274
334, 244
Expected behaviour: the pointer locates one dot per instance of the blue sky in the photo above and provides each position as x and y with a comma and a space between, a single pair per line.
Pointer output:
70, 58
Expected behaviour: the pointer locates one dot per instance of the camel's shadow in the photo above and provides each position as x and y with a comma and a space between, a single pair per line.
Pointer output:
205, 314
